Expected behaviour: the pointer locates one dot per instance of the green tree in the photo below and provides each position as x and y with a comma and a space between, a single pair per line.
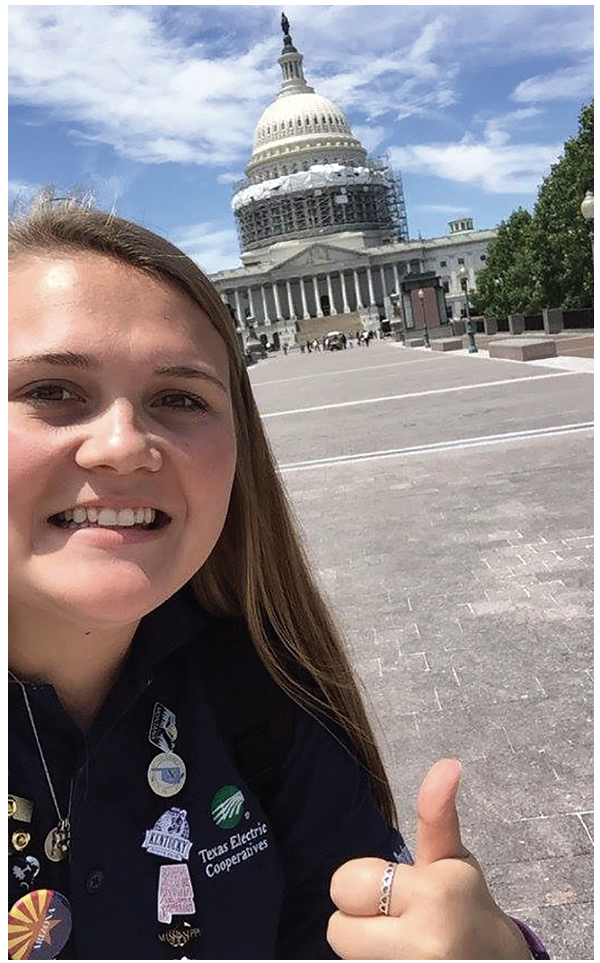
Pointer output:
545, 260
504, 285
562, 253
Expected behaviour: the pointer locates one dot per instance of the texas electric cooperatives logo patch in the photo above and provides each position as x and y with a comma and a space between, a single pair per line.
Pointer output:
227, 806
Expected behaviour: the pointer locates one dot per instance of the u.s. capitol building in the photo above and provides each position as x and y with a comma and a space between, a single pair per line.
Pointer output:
323, 228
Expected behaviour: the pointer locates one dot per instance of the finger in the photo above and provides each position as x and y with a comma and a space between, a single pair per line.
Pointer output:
356, 887
438, 829
368, 938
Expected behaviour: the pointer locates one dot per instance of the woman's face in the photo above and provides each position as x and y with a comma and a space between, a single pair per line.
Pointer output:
120, 415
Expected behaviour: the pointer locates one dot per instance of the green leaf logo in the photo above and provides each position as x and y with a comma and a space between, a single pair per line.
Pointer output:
227, 806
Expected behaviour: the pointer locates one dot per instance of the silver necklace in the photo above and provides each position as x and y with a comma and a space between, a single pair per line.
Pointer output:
58, 839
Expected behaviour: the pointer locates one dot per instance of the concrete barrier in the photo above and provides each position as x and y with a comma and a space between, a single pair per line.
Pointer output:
414, 342
446, 344
516, 323
520, 349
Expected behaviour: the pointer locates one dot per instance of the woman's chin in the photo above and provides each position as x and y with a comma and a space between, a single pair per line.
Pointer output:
116, 598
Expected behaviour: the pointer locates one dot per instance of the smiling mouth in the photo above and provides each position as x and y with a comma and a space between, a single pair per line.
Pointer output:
141, 519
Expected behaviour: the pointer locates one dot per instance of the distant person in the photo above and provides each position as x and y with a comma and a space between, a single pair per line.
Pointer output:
344, 341
285, 350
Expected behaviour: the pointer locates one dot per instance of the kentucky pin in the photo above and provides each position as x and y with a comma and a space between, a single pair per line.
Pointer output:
170, 836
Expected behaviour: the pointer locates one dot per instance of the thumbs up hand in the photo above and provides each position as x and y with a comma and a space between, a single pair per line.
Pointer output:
439, 909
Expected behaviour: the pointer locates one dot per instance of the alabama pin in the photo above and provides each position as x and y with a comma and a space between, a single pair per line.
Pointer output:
166, 774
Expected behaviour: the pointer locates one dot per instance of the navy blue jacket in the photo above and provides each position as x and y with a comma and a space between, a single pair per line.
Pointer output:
260, 880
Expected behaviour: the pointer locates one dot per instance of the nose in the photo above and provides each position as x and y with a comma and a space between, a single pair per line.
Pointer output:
116, 441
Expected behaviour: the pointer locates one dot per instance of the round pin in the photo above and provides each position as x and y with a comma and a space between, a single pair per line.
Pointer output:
20, 840
39, 925
166, 774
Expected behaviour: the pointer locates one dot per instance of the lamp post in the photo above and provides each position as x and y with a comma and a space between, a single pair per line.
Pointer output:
587, 209
463, 276
398, 319
421, 297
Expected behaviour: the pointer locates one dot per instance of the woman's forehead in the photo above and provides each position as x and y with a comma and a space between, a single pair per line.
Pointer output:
82, 299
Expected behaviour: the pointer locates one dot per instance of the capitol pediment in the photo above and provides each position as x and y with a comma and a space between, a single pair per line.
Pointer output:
320, 254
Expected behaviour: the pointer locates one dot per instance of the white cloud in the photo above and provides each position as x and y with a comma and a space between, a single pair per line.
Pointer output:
568, 83
230, 177
444, 209
212, 247
119, 80
492, 164
370, 135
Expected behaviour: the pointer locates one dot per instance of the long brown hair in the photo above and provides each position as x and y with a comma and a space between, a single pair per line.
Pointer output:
258, 569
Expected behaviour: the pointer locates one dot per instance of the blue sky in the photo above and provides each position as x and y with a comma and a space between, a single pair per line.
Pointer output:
153, 108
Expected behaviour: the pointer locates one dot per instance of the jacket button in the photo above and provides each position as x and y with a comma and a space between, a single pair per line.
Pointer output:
94, 880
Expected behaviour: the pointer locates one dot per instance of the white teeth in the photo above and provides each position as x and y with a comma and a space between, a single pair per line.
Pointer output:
126, 517
107, 517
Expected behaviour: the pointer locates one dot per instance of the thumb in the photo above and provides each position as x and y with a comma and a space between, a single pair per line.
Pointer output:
438, 830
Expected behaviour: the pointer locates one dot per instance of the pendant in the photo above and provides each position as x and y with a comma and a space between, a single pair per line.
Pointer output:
58, 841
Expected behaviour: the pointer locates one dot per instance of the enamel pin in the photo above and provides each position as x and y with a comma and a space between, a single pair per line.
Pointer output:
163, 728
170, 836
166, 774
175, 893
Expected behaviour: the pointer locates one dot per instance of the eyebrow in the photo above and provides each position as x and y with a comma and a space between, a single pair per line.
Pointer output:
84, 361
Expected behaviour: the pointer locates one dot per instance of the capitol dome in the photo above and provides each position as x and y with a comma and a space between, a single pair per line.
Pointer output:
300, 128
308, 175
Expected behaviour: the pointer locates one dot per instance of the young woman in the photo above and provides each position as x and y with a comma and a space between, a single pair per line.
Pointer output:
190, 760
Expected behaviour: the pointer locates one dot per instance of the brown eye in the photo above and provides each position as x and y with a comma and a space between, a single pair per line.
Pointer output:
180, 401
44, 394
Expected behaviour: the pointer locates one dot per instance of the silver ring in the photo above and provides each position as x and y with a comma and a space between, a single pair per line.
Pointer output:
386, 888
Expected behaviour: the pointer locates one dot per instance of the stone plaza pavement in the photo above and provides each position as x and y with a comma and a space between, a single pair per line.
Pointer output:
460, 567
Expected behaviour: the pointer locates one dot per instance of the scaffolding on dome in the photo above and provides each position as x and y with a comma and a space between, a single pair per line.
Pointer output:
326, 199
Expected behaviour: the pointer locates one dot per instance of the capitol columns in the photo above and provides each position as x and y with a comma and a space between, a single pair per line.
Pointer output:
371, 291
359, 303
291, 311
305, 314
396, 278
317, 297
264, 304
250, 302
238, 308
276, 299
382, 273
332, 308
344, 293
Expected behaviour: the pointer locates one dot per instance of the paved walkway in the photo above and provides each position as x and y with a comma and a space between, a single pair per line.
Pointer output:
446, 504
